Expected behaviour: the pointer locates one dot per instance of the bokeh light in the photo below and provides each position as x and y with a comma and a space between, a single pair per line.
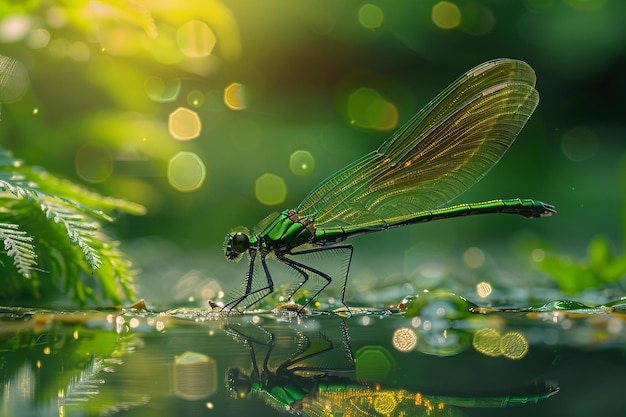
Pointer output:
194, 376
196, 39
385, 403
14, 80
483, 289
368, 109
79, 51
38, 38
235, 96
301, 163
160, 91
474, 257
270, 189
374, 363
371, 16
186, 172
404, 339
446, 15
513, 345
184, 124
15, 27
93, 163
195, 98
579, 144
487, 341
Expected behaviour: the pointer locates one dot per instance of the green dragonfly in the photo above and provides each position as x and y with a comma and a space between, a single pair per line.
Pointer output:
441, 152
297, 385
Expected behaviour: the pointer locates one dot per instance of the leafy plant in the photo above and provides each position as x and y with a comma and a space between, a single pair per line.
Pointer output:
53, 238
601, 267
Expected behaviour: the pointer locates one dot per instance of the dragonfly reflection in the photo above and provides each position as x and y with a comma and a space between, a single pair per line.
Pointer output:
306, 382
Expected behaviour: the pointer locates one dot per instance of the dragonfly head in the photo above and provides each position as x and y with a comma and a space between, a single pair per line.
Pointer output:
238, 383
235, 245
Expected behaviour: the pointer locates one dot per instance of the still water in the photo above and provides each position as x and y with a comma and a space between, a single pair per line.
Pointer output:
436, 355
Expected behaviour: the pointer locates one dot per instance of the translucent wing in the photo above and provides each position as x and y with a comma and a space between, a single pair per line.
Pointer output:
442, 151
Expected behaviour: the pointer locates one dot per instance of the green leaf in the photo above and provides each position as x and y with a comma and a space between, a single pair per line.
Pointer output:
600, 268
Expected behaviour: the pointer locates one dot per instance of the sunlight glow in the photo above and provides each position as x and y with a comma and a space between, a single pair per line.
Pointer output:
370, 16
270, 189
483, 289
404, 339
160, 91
14, 27
186, 172
446, 15
487, 341
474, 257
366, 108
196, 39
235, 96
194, 376
184, 124
384, 403
38, 38
374, 363
301, 163
513, 345
195, 98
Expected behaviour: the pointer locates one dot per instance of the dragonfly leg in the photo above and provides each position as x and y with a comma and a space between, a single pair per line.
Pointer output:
252, 296
300, 267
297, 286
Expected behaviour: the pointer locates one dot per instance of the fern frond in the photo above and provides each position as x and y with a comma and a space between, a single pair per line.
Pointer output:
18, 246
20, 187
80, 231
52, 233
73, 193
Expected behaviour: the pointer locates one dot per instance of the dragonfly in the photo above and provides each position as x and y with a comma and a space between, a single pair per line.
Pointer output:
296, 384
438, 154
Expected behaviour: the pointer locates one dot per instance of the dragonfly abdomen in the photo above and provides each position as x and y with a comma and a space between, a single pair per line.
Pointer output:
523, 207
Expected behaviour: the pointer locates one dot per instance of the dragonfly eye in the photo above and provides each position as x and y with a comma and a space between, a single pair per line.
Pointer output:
240, 242
238, 383
235, 245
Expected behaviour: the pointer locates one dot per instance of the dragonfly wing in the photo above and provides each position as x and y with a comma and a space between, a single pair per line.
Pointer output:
442, 151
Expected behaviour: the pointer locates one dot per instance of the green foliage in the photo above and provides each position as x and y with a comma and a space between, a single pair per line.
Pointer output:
600, 268
53, 238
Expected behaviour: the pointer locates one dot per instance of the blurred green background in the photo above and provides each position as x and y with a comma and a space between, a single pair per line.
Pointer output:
214, 114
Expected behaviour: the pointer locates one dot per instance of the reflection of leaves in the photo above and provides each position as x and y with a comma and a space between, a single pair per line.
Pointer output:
601, 267
51, 236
